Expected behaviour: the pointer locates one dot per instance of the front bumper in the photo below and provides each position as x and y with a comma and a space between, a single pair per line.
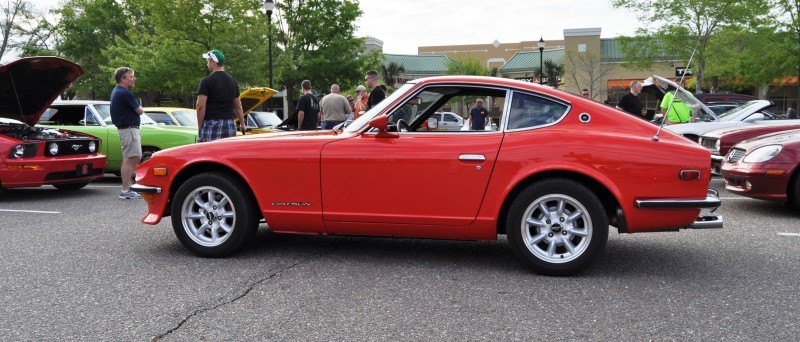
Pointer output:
711, 201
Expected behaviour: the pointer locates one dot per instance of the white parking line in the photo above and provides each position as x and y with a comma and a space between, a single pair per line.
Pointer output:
30, 211
789, 234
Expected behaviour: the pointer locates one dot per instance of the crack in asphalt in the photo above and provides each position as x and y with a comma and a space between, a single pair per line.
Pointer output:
242, 295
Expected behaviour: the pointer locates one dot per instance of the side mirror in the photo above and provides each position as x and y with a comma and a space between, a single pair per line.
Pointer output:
381, 123
433, 123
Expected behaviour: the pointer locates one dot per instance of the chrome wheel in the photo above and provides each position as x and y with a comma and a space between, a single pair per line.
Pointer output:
556, 228
208, 216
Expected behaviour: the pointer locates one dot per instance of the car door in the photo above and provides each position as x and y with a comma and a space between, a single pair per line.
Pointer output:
387, 178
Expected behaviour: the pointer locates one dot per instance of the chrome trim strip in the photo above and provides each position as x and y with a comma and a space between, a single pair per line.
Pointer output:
146, 189
711, 201
717, 158
471, 157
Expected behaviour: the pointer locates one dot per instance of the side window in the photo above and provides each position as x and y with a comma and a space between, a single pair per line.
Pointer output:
161, 118
89, 118
450, 118
531, 111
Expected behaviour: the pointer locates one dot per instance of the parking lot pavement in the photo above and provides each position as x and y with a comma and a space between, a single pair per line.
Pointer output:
91, 271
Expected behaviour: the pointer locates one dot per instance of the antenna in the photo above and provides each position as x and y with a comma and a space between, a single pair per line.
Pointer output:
669, 107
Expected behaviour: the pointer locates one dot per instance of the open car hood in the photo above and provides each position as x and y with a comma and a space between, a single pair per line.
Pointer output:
29, 85
685, 96
254, 97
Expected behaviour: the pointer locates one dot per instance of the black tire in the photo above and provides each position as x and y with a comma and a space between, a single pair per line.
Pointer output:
793, 192
70, 186
552, 241
232, 224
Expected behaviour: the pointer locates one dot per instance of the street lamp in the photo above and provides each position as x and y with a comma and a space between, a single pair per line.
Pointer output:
269, 5
541, 60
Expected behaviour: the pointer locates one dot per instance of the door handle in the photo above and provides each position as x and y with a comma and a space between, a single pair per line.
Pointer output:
471, 157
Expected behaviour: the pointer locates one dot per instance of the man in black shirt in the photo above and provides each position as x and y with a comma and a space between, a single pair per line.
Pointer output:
377, 94
307, 109
217, 99
631, 102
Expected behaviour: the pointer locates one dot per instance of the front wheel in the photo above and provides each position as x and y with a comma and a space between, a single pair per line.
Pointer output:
213, 215
557, 227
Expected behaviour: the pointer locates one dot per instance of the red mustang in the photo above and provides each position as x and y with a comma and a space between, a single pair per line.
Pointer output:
766, 167
34, 156
553, 172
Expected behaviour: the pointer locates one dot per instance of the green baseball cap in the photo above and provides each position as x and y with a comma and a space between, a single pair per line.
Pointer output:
215, 55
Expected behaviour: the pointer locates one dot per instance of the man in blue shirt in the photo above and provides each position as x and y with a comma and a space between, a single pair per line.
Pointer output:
478, 115
125, 114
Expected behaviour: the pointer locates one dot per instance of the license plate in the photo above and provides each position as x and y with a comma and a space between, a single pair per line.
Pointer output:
83, 169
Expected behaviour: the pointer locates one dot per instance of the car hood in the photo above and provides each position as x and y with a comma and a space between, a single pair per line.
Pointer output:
776, 138
29, 85
254, 97
751, 128
685, 96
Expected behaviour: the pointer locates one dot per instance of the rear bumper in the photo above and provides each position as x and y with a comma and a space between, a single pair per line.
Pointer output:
711, 201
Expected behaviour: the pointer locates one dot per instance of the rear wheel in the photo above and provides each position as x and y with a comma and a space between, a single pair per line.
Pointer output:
557, 227
213, 215
793, 192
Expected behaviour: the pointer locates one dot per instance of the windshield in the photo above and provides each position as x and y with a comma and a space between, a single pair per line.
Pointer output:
733, 114
186, 117
265, 119
362, 120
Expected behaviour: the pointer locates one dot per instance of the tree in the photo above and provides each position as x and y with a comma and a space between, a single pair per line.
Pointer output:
467, 65
389, 72
552, 73
86, 29
317, 43
688, 26
14, 14
786, 14
586, 70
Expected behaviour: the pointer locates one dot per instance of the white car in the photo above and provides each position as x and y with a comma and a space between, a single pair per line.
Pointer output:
750, 113
448, 121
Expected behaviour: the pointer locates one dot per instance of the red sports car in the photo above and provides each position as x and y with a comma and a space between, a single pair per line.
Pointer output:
765, 167
556, 171
34, 156
720, 141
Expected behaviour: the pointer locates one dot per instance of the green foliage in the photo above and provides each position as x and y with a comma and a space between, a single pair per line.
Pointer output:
86, 28
389, 72
467, 65
316, 37
552, 72
683, 28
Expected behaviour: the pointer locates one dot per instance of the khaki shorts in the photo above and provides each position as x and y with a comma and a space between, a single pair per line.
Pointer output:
131, 142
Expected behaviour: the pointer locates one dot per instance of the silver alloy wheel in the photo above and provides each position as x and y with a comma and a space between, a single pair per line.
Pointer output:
556, 228
208, 216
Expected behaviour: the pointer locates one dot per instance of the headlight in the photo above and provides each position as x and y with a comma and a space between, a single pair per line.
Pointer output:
763, 154
92, 146
18, 151
24, 150
717, 145
52, 148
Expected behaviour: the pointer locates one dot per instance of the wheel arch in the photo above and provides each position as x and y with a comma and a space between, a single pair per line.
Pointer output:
611, 206
205, 167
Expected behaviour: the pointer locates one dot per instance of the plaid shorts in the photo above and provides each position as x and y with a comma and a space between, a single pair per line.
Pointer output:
217, 129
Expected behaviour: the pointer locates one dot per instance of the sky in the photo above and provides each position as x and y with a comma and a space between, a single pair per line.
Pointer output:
405, 25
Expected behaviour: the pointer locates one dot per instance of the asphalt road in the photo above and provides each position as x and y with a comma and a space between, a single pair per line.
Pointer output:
84, 268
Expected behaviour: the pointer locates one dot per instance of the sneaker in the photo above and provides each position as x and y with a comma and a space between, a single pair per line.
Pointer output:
129, 194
